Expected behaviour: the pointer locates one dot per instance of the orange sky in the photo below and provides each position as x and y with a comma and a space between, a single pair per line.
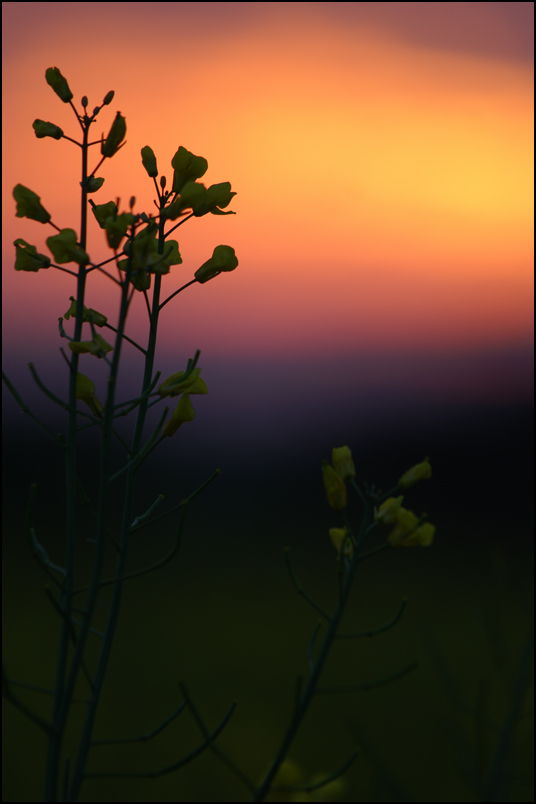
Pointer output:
384, 176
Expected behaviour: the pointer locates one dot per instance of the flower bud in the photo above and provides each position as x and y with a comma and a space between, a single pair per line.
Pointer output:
342, 462
85, 391
85, 101
59, 84
29, 205
341, 537
335, 487
149, 161
93, 184
43, 129
28, 258
108, 98
421, 471
223, 259
114, 139
184, 412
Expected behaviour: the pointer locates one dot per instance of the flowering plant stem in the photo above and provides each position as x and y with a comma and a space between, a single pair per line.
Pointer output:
148, 257
302, 704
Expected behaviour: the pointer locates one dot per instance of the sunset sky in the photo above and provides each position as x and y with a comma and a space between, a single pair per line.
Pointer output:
382, 156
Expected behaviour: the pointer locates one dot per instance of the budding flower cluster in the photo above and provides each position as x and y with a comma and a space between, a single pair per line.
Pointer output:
407, 529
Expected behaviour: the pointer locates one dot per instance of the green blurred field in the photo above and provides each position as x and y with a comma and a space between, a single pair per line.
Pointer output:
235, 630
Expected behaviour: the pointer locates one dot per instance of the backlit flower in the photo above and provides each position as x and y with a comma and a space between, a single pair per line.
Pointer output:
342, 462
335, 487
421, 471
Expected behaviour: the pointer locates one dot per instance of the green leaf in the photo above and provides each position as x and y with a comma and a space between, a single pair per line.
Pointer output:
29, 205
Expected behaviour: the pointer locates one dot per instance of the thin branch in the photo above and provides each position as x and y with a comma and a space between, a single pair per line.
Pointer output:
17, 703
175, 765
45, 390
137, 460
126, 338
25, 409
311, 646
369, 685
178, 291
298, 587
72, 633
215, 750
174, 550
374, 551
380, 628
143, 737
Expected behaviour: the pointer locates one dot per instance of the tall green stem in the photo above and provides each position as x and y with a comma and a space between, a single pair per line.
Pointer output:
85, 742
310, 689
61, 696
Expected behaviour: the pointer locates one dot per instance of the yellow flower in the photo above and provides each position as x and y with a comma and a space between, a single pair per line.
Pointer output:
85, 391
388, 510
408, 533
335, 487
184, 412
424, 536
343, 463
174, 385
98, 346
340, 537
421, 471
